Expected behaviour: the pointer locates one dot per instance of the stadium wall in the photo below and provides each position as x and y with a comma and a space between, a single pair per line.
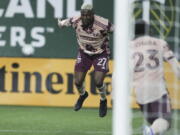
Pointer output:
49, 82
45, 77
44, 82
37, 57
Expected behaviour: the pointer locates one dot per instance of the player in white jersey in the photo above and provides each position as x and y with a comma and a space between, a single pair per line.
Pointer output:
147, 55
92, 33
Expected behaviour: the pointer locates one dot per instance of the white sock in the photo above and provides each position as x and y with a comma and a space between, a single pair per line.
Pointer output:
159, 126
81, 90
102, 92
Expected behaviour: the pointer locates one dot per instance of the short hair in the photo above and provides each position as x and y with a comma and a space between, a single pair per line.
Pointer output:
141, 27
86, 6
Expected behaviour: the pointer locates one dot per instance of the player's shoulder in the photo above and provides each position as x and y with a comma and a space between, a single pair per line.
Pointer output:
147, 41
101, 21
159, 42
152, 39
140, 38
156, 39
76, 18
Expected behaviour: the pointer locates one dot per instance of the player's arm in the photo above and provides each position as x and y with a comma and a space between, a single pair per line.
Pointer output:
73, 22
65, 22
168, 56
110, 27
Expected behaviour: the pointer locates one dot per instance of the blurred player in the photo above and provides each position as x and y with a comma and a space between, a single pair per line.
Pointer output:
92, 33
148, 54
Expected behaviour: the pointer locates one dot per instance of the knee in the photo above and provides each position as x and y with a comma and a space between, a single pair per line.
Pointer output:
98, 83
160, 125
78, 83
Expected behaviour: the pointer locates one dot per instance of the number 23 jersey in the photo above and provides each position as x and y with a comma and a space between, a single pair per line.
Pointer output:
147, 57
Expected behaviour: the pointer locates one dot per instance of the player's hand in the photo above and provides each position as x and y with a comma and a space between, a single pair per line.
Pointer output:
59, 23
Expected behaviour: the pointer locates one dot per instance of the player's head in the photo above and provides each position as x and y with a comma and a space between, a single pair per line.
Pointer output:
87, 15
141, 28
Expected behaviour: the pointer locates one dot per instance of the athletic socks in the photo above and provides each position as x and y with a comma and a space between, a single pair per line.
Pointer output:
81, 90
102, 92
159, 126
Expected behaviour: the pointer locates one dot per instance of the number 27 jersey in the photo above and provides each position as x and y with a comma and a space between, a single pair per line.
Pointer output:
147, 56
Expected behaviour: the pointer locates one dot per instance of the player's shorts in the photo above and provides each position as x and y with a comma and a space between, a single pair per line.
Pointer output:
85, 61
157, 109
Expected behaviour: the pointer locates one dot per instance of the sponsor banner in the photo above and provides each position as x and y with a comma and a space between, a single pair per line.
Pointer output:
29, 27
44, 82
49, 82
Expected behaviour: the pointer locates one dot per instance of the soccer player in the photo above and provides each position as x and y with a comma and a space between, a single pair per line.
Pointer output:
148, 54
92, 33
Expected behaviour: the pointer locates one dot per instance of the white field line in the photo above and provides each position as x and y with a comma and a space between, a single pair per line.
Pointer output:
47, 132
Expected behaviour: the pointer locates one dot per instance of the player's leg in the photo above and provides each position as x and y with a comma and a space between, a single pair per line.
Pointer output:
99, 81
79, 80
160, 126
158, 114
83, 63
163, 121
147, 112
101, 67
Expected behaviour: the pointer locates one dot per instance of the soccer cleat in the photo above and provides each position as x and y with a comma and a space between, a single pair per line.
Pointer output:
147, 131
80, 101
103, 108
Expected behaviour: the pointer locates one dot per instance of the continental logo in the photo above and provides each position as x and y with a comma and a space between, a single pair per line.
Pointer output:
161, 15
44, 82
14, 78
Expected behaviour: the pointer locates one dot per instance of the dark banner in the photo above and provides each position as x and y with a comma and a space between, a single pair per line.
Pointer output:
30, 26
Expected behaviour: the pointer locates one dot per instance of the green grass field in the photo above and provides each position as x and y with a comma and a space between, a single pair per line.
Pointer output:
19, 120
16, 120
